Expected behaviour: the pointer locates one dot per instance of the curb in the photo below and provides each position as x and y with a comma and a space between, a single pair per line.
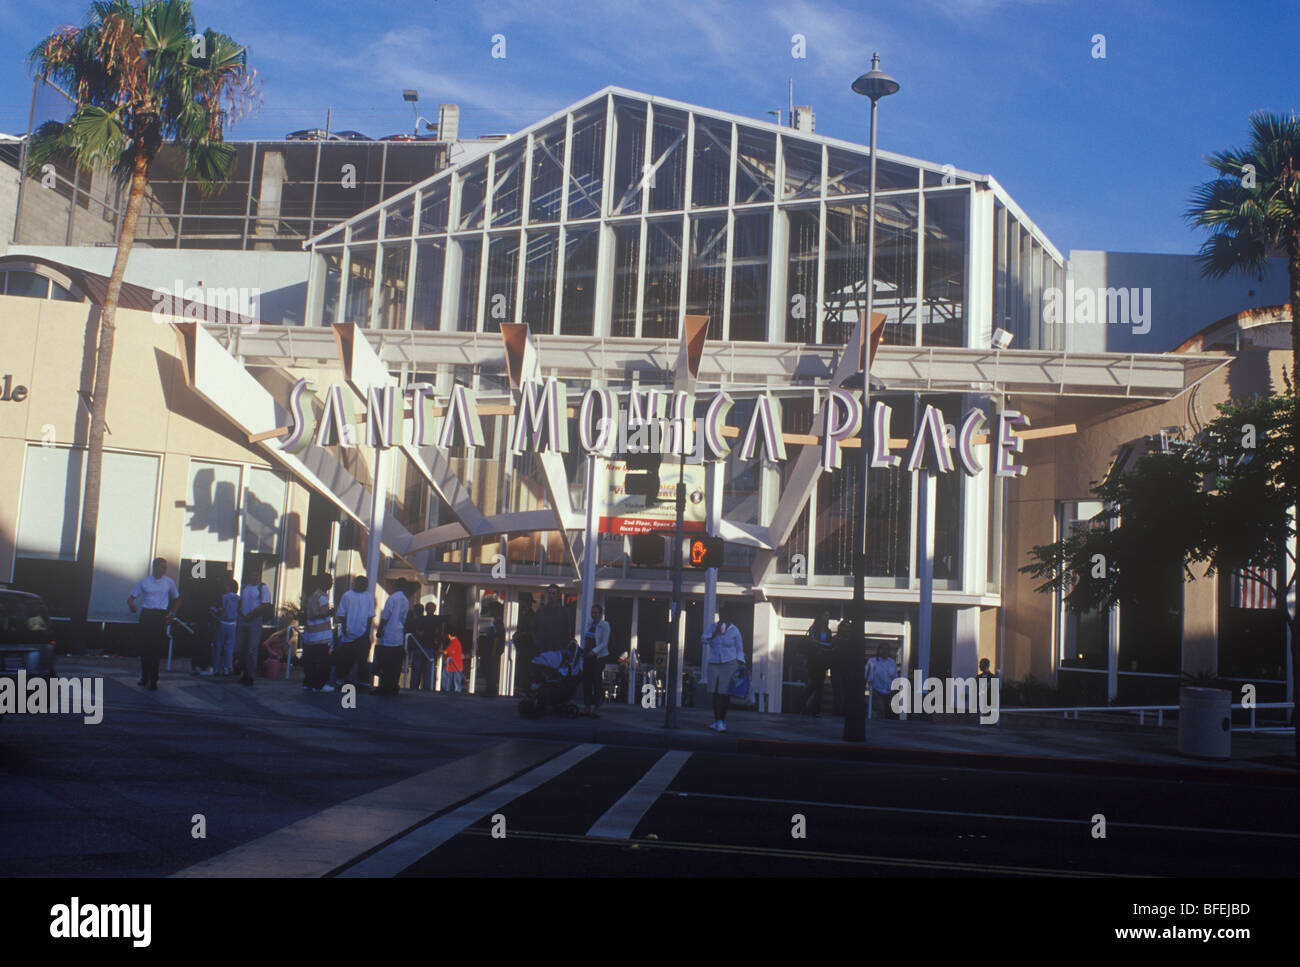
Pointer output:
1093, 767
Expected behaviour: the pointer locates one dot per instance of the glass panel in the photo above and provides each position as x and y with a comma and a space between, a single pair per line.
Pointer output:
434, 207
750, 257
503, 274
629, 155
547, 174
508, 186
124, 542
50, 510
755, 166
663, 271
896, 244
263, 506
587, 162
539, 282
668, 158
889, 502
471, 252
846, 270
392, 287
849, 173
707, 279
801, 275
942, 316
361, 278
61, 294
577, 312
399, 218
27, 284
333, 275
429, 260
367, 229
803, 169
473, 191
712, 166
627, 249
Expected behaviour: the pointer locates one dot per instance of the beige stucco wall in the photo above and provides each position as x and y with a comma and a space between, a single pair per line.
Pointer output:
150, 409
1065, 467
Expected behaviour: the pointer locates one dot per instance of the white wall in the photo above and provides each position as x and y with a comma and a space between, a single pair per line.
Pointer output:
280, 277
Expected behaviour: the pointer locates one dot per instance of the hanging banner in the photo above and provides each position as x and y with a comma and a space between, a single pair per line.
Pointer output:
624, 513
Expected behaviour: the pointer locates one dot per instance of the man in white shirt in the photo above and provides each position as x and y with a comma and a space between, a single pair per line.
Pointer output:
354, 615
158, 600
389, 651
595, 652
254, 606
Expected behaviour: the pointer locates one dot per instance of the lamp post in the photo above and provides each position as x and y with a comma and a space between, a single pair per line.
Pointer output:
874, 84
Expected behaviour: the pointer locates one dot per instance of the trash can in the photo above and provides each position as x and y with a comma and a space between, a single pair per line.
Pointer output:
1205, 723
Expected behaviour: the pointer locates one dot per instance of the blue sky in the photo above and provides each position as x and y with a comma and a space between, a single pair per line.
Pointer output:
1101, 153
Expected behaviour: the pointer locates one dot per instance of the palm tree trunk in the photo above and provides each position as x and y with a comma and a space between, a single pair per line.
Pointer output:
99, 397
1293, 267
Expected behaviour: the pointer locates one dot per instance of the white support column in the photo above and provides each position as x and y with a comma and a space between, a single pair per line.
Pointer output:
378, 508
925, 567
632, 662
590, 550
768, 657
966, 643
473, 647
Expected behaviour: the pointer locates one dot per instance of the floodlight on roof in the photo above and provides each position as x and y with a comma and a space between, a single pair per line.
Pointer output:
412, 96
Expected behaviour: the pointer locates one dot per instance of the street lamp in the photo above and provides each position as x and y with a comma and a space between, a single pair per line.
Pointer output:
874, 84
413, 98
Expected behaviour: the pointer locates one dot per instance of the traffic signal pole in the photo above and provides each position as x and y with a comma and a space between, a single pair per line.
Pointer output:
670, 715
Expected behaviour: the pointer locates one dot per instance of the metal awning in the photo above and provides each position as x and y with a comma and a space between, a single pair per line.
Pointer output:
738, 365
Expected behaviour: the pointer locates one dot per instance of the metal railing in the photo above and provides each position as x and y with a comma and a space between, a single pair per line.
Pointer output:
1142, 711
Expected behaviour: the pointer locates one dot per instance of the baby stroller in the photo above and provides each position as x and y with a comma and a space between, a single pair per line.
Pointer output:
556, 677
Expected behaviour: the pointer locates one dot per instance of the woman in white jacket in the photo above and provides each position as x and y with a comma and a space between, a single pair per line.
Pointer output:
726, 654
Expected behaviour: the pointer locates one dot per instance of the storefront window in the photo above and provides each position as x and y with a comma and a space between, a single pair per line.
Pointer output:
577, 312
627, 249
663, 272
712, 164
547, 174
804, 233
430, 257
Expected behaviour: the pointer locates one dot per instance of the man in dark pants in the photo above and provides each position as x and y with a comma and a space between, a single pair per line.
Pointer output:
553, 626
316, 642
158, 600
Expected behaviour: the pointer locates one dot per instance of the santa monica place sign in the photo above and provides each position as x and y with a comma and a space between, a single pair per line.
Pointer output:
654, 421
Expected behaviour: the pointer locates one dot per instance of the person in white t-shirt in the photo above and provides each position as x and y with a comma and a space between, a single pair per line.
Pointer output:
392, 638
158, 600
354, 616
254, 607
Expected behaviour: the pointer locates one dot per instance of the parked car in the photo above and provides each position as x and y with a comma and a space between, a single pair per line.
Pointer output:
410, 137
312, 134
26, 636
352, 136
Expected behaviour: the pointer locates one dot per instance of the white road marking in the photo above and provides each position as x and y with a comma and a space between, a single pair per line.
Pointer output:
621, 818
404, 852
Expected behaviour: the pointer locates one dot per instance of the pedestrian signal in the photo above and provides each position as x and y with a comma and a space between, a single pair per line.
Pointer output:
705, 552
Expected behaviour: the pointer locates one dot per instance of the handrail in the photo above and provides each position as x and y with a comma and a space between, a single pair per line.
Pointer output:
1073, 712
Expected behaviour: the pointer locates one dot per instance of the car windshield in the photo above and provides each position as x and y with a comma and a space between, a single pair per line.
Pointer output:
23, 620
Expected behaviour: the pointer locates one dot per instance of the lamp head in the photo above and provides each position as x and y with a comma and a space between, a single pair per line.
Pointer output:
875, 84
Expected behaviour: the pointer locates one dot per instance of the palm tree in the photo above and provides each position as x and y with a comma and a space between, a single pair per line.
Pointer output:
141, 76
1252, 209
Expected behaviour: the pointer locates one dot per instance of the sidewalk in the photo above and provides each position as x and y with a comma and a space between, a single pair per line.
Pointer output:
1133, 751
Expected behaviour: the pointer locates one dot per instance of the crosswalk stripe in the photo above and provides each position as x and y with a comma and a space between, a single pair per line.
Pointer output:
404, 852
621, 818
175, 696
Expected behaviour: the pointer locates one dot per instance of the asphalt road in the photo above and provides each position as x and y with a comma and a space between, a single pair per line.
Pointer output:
121, 797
